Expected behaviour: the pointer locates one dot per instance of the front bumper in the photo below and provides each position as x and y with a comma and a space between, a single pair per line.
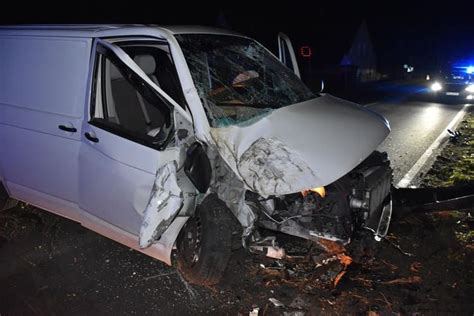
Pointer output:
455, 90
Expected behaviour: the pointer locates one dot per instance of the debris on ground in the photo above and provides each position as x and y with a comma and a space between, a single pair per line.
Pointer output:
276, 302
254, 311
407, 280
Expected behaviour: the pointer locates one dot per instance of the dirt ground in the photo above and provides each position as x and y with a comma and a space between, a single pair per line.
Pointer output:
52, 266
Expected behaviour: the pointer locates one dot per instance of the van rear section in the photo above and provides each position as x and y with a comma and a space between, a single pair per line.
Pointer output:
43, 82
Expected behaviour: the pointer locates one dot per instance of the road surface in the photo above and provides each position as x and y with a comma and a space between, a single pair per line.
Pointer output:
415, 123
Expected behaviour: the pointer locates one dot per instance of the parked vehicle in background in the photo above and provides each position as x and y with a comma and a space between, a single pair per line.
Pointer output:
453, 81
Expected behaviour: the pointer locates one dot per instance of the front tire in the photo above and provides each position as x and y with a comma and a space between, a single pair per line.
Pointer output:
204, 244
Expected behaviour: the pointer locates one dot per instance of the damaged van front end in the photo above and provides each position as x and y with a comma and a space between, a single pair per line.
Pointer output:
309, 170
283, 158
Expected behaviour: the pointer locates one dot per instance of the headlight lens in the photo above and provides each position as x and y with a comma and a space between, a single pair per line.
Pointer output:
470, 88
436, 86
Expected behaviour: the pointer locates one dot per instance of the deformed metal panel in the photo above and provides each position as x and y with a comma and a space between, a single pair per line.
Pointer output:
326, 135
165, 202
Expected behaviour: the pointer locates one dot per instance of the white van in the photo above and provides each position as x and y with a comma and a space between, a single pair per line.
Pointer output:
160, 137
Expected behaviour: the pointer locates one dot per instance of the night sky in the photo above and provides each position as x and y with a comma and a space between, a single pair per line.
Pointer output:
421, 33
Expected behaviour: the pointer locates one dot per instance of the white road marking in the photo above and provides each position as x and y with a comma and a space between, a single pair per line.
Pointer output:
413, 172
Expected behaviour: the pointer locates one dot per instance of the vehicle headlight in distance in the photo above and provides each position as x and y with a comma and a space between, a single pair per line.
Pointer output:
470, 88
436, 86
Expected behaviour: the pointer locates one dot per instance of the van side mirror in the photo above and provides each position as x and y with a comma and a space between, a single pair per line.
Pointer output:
198, 167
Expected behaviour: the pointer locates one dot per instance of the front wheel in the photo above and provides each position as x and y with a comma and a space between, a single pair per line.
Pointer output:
204, 243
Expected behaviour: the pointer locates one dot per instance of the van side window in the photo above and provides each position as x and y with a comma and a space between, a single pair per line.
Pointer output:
126, 105
155, 60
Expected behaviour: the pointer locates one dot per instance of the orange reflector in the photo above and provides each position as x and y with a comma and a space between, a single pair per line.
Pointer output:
321, 191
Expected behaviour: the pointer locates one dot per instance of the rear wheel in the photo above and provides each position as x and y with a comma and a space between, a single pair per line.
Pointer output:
204, 244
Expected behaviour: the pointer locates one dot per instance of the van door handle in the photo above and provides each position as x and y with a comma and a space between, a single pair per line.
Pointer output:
67, 128
91, 137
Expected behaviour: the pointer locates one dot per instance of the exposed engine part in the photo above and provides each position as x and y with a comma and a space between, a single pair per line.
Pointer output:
370, 198
308, 216
356, 203
359, 200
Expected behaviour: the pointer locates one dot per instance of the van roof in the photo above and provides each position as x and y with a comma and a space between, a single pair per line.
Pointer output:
99, 30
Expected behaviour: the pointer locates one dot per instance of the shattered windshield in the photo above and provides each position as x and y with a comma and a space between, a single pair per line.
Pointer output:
238, 79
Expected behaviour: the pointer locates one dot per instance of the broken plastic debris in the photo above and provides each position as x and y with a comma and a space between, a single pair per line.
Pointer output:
344, 259
276, 302
338, 277
254, 311
275, 252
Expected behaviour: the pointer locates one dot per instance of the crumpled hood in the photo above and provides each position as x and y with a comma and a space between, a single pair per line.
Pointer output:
301, 146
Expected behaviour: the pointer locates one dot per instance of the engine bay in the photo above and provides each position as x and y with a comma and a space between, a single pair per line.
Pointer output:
360, 200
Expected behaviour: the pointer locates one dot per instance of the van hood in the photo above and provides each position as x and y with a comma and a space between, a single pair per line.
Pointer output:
301, 146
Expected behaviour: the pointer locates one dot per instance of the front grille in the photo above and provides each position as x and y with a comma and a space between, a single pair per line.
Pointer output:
454, 87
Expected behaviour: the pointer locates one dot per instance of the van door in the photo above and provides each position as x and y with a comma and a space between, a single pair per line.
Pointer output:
286, 53
131, 134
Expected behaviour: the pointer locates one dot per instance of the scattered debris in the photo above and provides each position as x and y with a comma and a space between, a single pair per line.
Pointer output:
415, 267
398, 248
300, 302
276, 302
454, 136
345, 261
293, 313
339, 277
275, 252
389, 305
407, 280
254, 311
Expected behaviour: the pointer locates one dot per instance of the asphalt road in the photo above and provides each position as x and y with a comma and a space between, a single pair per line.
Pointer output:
53, 266
416, 121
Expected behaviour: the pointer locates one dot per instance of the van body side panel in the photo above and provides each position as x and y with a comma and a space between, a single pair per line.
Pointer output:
43, 85
45, 74
116, 178
160, 251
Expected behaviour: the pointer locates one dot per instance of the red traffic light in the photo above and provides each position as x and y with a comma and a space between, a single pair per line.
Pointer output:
305, 51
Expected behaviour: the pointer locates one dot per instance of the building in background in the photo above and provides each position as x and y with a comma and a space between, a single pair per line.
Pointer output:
361, 61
